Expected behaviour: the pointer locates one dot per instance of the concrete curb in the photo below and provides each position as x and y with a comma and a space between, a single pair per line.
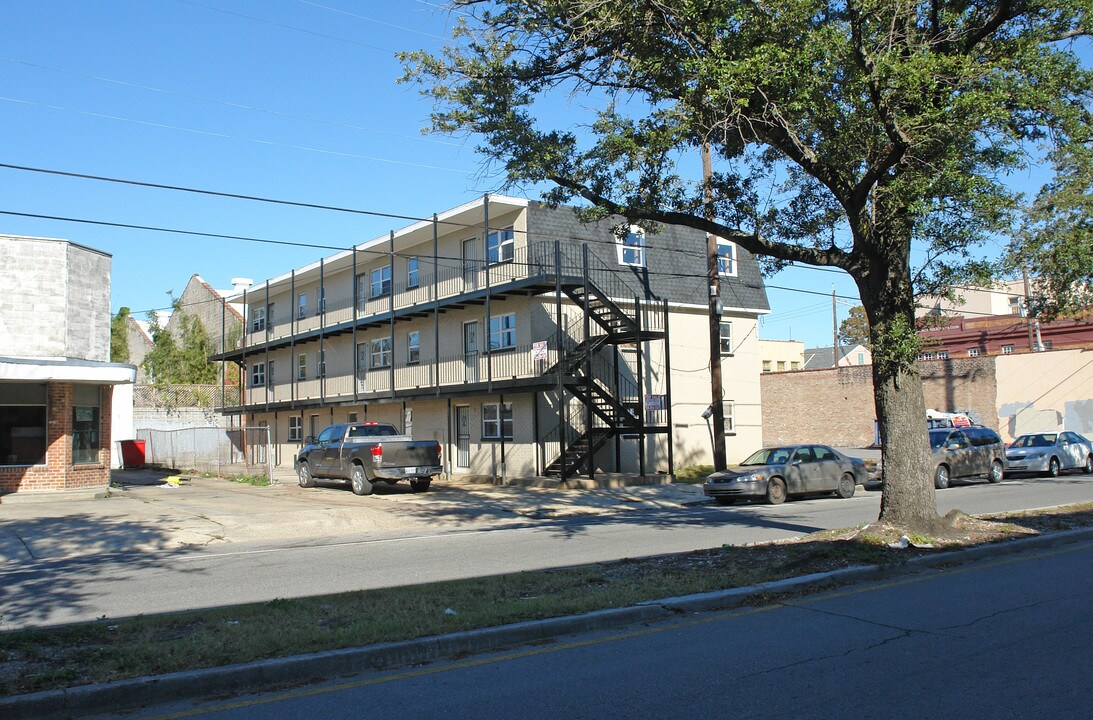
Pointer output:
278, 672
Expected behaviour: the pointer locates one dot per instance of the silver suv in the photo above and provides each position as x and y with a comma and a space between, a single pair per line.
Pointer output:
967, 452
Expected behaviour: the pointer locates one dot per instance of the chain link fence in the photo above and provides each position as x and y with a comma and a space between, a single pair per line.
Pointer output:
226, 452
185, 396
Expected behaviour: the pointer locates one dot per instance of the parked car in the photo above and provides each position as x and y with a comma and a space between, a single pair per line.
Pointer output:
967, 452
1050, 453
778, 472
363, 453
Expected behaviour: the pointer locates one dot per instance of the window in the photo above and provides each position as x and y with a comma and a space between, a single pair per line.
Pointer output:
363, 350
861, 358
23, 424
258, 318
632, 248
726, 338
381, 282
1016, 306
499, 246
269, 374
942, 354
726, 257
974, 352
301, 367
766, 366
352, 418
257, 374
408, 422
381, 353
1007, 349
320, 364
781, 366
934, 355
794, 365
296, 427
413, 348
503, 332
85, 424
1046, 345
301, 304
730, 416
322, 302
412, 274
497, 421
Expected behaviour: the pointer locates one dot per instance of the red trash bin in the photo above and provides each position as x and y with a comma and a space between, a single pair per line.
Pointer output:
132, 454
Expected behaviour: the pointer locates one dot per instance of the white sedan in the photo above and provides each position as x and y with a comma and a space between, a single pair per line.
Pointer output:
1049, 453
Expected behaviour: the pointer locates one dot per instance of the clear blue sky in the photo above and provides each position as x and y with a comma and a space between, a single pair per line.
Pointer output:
287, 99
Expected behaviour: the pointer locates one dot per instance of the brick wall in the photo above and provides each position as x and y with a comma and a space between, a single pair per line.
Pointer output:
835, 406
58, 473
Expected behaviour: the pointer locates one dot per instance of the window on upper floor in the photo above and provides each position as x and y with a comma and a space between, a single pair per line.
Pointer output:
631, 248
497, 421
301, 306
301, 366
794, 365
730, 416
269, 373
413, 348
381, 282
725, 330
320, 364
1008, 349
974, 352
781, 366
257, 374
322, 301
726, 257
503, 332
500, 245
413, 275
381, 352
257, 318
766, 366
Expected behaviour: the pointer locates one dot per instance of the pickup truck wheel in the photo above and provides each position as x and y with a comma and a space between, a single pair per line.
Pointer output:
421, 485
360, 483
304, 474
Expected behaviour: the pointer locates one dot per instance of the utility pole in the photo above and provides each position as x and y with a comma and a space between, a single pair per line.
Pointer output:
717, 406
834, 331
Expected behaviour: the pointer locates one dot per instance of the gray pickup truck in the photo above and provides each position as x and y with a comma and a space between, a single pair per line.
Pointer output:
363, 453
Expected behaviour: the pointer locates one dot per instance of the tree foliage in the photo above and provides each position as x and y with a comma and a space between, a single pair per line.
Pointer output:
183, 360
843, 132
119, 336
854, 330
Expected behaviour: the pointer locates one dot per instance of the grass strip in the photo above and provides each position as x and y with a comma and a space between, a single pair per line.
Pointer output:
105, 650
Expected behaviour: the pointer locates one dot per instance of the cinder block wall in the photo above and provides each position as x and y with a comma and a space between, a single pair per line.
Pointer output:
835, 406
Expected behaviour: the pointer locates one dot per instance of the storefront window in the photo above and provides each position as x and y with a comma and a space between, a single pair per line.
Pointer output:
22, 424
86, 440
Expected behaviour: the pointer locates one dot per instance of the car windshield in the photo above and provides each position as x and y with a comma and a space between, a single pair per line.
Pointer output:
769, 456
937, 438
1039, 440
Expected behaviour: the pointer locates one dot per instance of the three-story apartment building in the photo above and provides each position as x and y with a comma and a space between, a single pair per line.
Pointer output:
526, 342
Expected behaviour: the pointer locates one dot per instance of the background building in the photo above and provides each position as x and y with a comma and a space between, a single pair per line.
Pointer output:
56, 384
782, 355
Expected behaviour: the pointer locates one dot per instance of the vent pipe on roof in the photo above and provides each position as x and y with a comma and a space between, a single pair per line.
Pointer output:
241, 283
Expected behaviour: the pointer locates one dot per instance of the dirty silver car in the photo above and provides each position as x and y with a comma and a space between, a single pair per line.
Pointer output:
778, 472
966, 452
1049, 453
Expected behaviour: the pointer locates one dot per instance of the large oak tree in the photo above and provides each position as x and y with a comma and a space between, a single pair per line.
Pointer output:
843, 132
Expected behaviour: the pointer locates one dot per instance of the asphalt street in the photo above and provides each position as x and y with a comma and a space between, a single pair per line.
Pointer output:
1001, 638
91, 586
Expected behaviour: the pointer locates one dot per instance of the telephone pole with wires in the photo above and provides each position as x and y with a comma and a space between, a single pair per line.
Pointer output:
717, 406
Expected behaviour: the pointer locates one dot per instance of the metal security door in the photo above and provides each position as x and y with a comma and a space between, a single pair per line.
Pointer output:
463, 436
470, 350
472, 260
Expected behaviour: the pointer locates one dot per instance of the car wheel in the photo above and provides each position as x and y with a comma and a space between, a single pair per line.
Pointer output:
304, 475
725, 500
776, 491
421, 485
846, 486
360, 483
1088, 464
941, 477
1053, 467
996, 472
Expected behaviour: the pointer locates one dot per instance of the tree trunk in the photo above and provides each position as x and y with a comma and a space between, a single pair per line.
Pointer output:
908, 499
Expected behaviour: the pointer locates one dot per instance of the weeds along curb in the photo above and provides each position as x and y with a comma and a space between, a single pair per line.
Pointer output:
299, 669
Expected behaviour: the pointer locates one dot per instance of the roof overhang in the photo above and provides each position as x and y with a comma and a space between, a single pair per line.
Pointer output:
65, 370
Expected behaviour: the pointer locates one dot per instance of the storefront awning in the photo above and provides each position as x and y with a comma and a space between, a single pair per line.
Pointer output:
65, 370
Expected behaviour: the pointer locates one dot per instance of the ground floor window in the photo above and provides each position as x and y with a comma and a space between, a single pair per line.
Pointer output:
86, 440
497, 421
23, 424
295, 427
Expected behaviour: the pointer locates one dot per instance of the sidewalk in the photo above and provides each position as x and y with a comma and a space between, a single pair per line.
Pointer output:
144, 514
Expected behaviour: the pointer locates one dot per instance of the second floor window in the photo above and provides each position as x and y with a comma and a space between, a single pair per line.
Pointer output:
1008, 349
500, 245
257, 374
413, 276
726, 338
413, 348
381, 353
301, 367
269, 374
258, 318
632, 248
381, 282
301, 304
322, 302
503, 332
726, 257
730, 416
320, 364
766, 366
